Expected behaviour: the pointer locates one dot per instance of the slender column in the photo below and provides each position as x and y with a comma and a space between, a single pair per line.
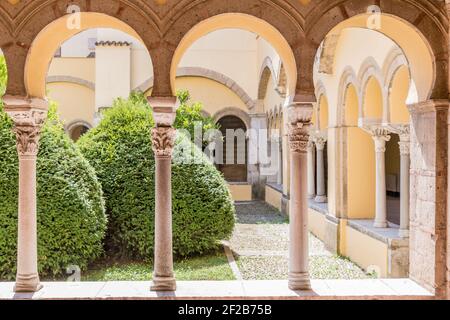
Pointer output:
404, 185
280, 161
299, 123
321, 188
163, 139
380, 136
28, 115
311, 171
403, 132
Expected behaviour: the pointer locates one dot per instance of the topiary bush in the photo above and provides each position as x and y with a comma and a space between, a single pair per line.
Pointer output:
120, 149
70, 208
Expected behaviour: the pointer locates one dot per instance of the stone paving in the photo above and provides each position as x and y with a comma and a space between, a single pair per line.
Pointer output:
260, 245
193, 290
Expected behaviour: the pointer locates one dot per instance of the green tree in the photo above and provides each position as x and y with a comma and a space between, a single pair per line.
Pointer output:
120, 149
189, 115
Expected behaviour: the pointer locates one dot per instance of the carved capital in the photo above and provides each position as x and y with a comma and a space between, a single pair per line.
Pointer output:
320, 142
28, 116
163, 141
380, 135
299, 123
404, 132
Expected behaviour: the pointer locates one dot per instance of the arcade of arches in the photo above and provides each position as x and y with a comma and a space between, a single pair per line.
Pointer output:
352, 95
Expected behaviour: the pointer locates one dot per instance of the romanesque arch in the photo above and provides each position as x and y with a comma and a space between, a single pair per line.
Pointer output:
240, 21
27, 19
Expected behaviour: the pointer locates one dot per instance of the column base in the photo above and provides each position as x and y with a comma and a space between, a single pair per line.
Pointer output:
311, 196
381, 225
27, 283
299, 281
321, 199
403, 233
164, 284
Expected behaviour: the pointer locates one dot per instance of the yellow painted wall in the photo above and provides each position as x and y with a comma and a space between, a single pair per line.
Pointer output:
317, 224
373, 100
272, 99
213, 95
83, 68
273, 197
360, 174
360, 163
241, 192
397, 99
364, 250
75, 102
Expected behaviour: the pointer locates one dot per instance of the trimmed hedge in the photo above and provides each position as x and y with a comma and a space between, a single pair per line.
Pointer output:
120, 150
70, 212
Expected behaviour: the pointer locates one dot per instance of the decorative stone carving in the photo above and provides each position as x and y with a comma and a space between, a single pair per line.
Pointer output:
380, 135
404, 132
163, 139
299, 124
28, 116
320, 142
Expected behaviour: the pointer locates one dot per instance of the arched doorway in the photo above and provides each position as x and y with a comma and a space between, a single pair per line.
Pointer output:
235, 156
78, 129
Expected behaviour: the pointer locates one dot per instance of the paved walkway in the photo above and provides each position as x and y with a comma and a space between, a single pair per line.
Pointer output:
187, 290
260, 245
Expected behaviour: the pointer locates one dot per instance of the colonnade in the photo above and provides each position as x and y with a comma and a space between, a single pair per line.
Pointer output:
380, 135
29, 115
317, 185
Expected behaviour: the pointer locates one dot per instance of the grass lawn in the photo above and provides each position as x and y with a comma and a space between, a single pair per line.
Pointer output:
210, 267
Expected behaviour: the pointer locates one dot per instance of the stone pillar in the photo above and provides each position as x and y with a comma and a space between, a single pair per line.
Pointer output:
311, 171
163, 139
429, 173
380, 137
28, 116
299, 123
405, 165
257, 122
321, 186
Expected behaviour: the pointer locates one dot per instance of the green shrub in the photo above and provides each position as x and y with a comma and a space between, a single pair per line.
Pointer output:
120, 150
70, 211
189, 115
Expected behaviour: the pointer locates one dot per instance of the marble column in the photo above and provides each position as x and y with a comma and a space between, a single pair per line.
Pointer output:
405, 166
311, 171
321, 196
163, 139
380, 136
299, 124
28, 116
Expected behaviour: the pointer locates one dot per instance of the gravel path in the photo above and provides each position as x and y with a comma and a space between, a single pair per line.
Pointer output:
260, 245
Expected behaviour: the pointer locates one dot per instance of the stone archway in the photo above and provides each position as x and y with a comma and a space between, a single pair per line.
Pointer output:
51, 37
245, 22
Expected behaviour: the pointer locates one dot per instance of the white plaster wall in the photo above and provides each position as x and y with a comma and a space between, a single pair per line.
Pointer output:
77, 46
230, 52
113, 74
266, 50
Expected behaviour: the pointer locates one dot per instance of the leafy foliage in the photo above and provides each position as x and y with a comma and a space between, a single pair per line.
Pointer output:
190, 114
120, 149
3, 75
70, 209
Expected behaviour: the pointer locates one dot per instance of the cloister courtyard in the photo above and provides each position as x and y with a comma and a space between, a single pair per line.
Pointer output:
285, 149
